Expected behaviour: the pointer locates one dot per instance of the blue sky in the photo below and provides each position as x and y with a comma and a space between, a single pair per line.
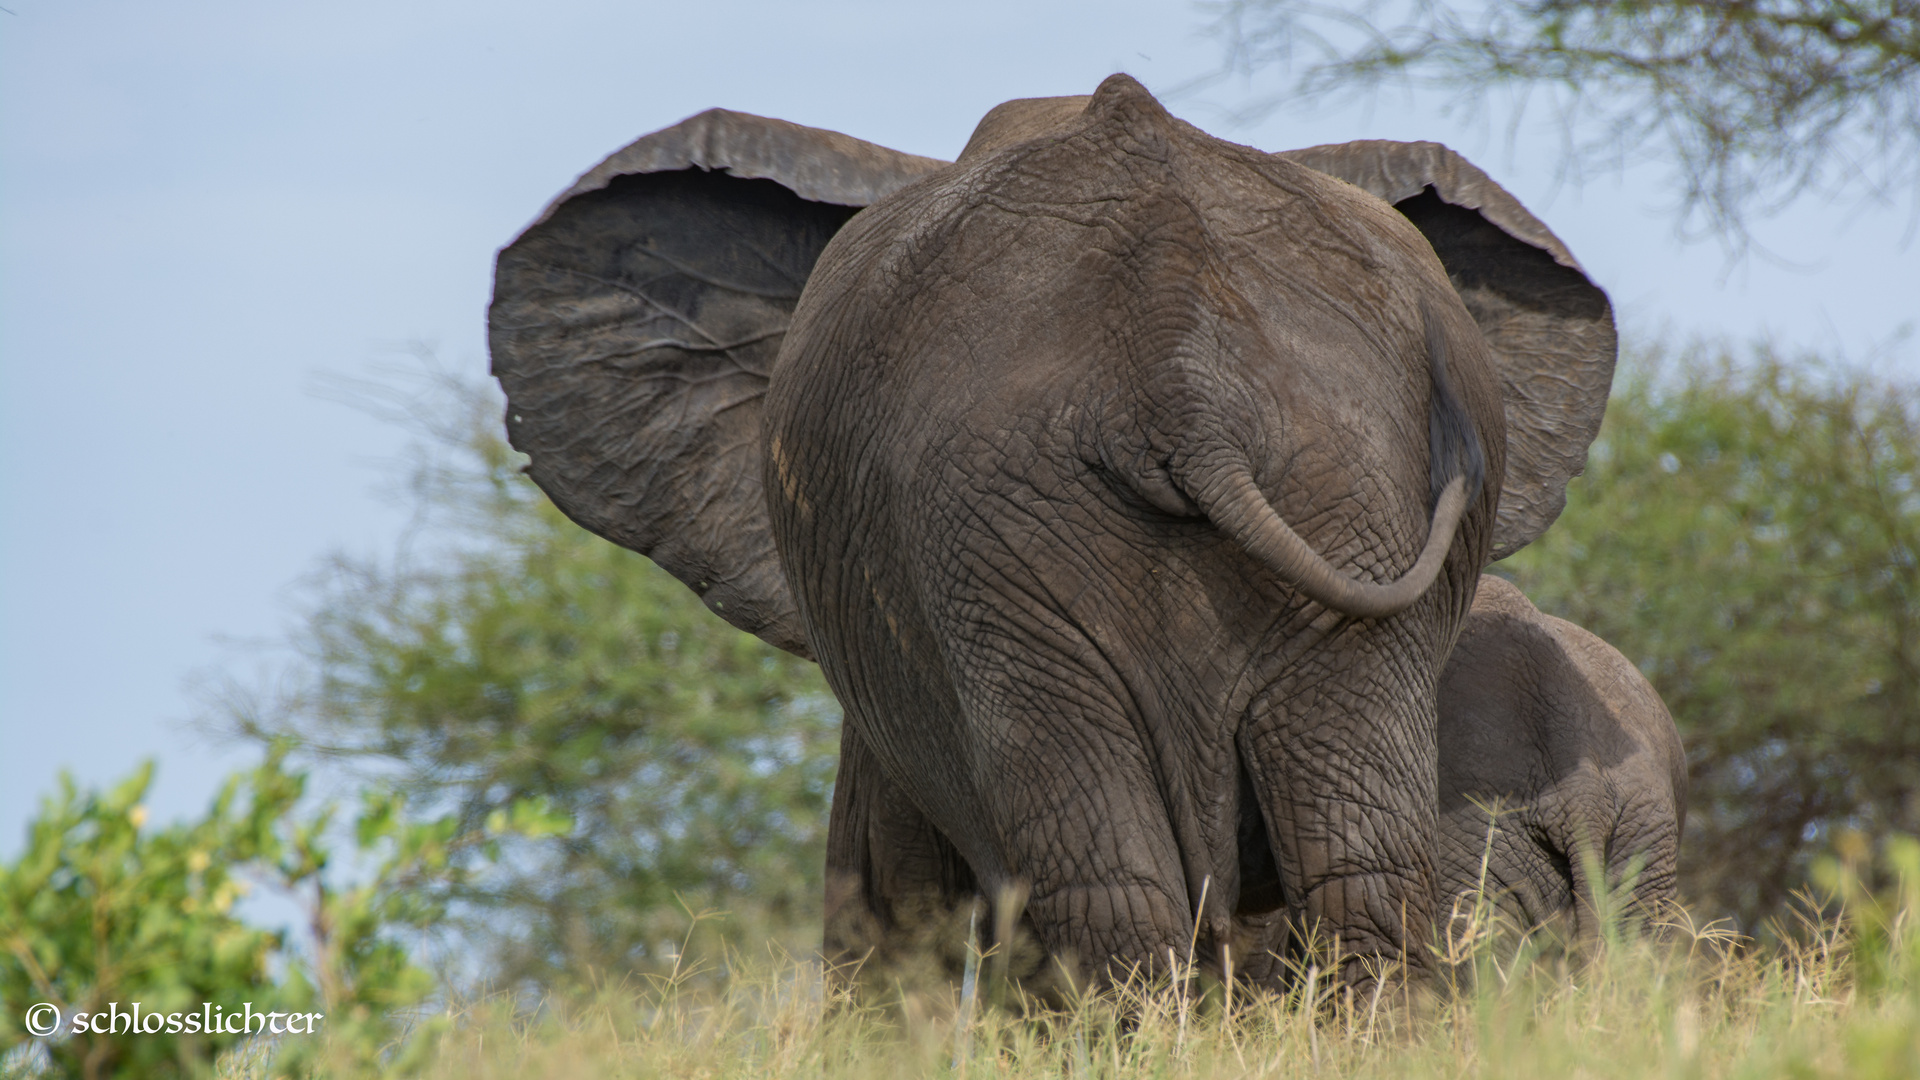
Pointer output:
208, 206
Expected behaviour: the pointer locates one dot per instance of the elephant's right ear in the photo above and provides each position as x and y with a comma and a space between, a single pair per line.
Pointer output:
1549, 327
634, 324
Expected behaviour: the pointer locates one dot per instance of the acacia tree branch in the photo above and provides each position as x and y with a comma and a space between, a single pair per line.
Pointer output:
1754, 102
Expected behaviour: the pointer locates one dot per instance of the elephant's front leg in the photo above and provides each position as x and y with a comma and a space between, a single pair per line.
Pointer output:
1346, 768
894, 885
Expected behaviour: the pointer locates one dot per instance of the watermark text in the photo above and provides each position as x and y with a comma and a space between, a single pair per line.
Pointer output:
46, 1020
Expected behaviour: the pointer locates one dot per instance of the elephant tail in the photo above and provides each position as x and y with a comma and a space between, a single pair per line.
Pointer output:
1240, 511
1236, 506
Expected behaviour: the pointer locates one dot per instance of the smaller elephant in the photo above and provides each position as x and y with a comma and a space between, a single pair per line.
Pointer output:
1579, 753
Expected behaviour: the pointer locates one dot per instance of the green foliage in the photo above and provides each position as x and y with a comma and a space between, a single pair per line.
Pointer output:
523, 658
1748, 534
99, 912
94, 911
1751, 102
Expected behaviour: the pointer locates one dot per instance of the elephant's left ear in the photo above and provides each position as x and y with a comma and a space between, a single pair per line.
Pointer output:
634, 324
1549, 327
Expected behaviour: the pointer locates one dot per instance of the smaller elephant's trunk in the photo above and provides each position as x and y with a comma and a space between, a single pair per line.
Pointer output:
1238, 508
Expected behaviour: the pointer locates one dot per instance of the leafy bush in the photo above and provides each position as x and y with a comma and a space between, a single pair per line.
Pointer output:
1748, 534
96, 912
101, 911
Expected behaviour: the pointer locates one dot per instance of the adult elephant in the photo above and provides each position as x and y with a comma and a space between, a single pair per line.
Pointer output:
1129, 485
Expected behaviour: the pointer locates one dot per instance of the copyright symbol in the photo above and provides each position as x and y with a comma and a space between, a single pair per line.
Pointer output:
43, 1019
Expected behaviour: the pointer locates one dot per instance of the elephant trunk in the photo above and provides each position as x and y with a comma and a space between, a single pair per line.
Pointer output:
1238, 508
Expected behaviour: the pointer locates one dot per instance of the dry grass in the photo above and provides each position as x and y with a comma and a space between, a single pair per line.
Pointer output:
1839, 997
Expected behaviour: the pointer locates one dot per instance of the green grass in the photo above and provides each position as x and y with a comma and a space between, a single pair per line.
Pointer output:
1839, 996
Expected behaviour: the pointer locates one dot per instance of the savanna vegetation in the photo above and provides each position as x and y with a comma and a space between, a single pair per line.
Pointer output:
509, 655
581, 819
104, 913
1842, 999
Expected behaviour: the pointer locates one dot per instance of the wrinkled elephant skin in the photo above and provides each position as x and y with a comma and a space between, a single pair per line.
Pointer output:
1130, 486
997, 483
1561, 734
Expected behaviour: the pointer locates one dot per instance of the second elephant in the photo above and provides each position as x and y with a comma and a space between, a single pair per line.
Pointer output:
1577, 750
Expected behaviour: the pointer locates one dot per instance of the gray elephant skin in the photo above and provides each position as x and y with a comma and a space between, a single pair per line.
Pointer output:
1553, 728
1129, 485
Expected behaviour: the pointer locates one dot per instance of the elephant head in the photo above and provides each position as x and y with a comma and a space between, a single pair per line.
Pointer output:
1129, 485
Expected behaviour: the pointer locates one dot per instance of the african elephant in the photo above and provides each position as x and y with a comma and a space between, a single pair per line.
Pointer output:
1130, 486
1570, 741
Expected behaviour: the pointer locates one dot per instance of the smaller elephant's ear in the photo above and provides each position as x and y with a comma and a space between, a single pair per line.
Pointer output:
1549, 327
634, 324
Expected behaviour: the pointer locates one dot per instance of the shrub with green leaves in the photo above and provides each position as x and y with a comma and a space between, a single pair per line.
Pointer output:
96, 910
100, 910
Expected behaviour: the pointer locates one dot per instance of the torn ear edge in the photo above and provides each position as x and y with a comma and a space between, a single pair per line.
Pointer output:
814, 163
1549, 327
